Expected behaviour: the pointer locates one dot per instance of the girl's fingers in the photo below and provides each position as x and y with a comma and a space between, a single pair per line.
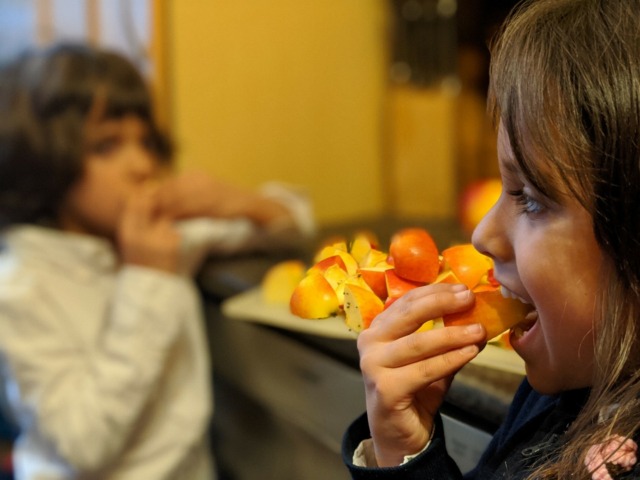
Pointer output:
407, 380
419, 305
430, 344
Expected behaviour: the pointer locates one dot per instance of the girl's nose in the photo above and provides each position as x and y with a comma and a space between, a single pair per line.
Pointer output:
490, 237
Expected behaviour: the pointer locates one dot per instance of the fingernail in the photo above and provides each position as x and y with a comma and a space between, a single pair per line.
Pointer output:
464, 294
459, 287
469, 350
473, 328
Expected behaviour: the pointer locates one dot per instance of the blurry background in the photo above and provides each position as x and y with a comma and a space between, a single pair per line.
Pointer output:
374, 107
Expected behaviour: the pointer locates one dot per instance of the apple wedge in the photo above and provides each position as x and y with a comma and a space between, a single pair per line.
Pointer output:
466, 263
361, 306
398, 286
492, 310
327, 262
415, 255
314, 297
280, 281
376, 279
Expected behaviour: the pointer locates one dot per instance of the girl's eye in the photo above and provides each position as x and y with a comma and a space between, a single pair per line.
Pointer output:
104, 146
527, 204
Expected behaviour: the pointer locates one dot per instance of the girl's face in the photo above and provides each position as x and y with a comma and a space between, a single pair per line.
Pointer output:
546, 254
118, 162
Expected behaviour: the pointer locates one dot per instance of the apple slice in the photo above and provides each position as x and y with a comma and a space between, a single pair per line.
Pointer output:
361, 245
415, 255
398, 286
314, 297
327, 262
361, 306
329, 248
492, 310
375, 258
337, 278
376, 279
467, 264
351, 266
447, 276
280, 281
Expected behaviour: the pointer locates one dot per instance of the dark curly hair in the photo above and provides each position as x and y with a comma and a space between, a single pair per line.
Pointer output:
45, 98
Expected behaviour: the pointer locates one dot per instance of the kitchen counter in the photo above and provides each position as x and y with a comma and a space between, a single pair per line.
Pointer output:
288, 371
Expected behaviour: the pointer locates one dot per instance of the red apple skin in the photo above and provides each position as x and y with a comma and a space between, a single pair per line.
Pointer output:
376, 279
398, 286
325, 263
415, 255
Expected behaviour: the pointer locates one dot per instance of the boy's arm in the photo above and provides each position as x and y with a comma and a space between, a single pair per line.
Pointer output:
274, 206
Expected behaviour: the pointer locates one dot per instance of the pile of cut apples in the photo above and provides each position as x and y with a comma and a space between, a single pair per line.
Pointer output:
358, 280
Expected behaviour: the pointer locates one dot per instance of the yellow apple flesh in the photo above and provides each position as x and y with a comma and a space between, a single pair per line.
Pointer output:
361, 306
280, 281
361, 245
492, 310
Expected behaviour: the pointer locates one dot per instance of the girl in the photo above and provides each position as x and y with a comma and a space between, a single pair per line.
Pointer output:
565, 91
102, 346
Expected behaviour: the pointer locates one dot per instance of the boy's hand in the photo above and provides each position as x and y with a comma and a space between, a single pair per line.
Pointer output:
147, 238
196, 194
407, 374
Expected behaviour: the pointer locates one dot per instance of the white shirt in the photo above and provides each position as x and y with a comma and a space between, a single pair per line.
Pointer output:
106, 368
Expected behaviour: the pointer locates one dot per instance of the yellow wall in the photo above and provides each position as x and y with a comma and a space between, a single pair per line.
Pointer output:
421, 154
283, 89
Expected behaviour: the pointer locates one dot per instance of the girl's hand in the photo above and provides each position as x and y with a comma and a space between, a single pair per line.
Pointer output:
147, 238
407, 374
196, 194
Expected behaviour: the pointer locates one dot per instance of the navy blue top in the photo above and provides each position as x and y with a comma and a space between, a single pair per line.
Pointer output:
533, 427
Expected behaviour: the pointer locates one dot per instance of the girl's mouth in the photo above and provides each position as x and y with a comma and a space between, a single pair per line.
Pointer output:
523, 327
520, 330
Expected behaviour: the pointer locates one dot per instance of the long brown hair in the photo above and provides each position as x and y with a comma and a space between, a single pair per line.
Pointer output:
565, 84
